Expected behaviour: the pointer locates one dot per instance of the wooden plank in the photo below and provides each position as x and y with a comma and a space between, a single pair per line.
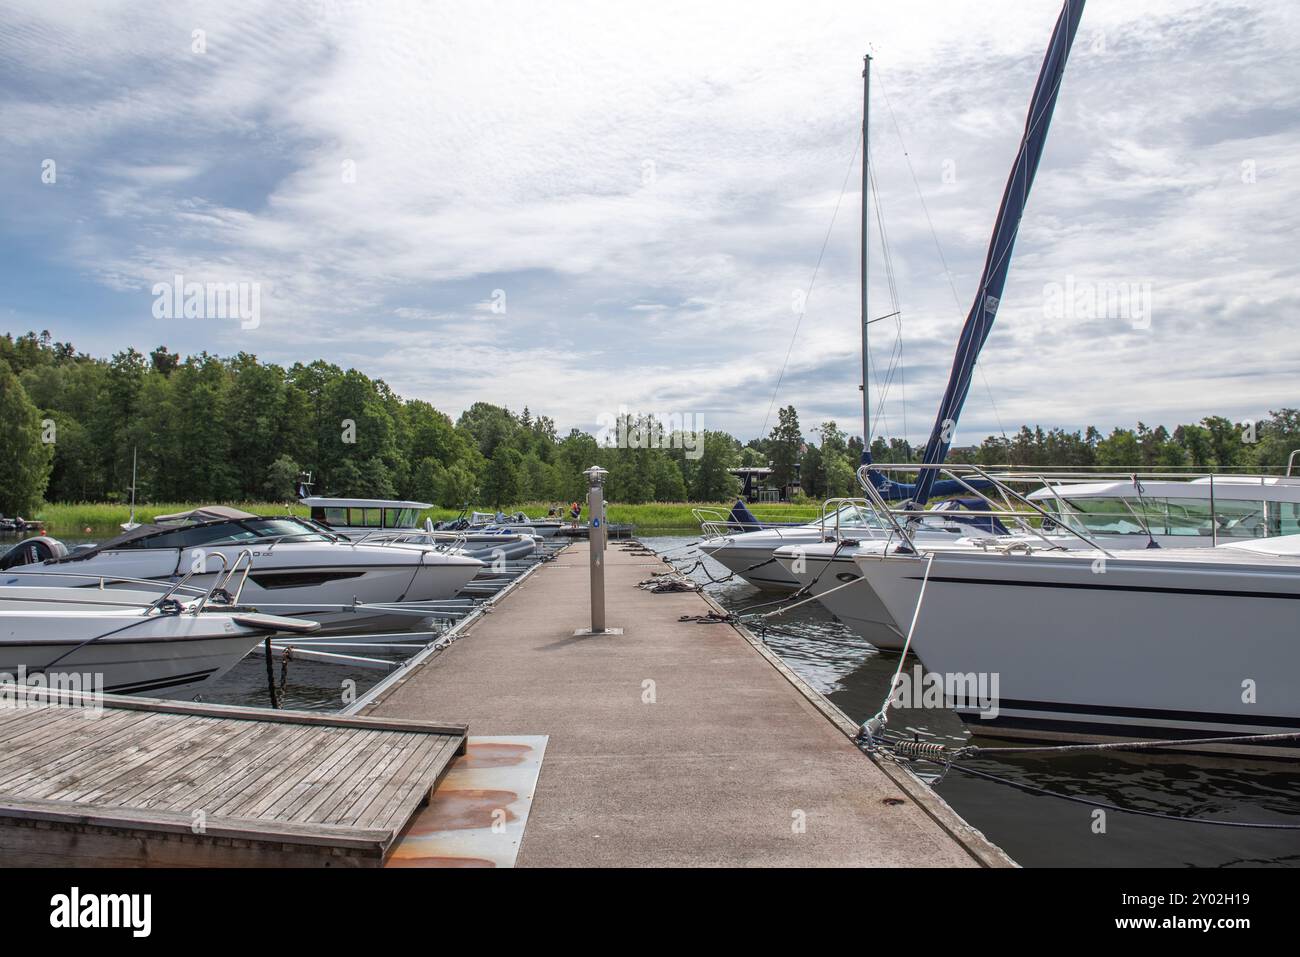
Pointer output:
343, 773
59, 812
124, 702
407, 779
122, 789
337, 809
139, 768
111, 757
69, 745
397, 810
354, 805
47, 737
287, 806
359, 744
246, 771
186, 770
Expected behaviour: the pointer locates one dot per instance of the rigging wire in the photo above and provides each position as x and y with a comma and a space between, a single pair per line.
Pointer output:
937, 245
816, 269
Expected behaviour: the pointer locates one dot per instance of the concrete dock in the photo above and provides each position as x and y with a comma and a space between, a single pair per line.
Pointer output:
675, 743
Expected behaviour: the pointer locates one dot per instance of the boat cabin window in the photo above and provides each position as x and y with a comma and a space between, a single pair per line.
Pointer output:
1284, 518
400, 517
330, 515
364, 518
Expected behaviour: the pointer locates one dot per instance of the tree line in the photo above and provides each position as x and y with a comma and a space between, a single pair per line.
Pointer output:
208, 428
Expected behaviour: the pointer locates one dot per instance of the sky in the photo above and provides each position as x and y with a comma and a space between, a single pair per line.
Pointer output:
587, 207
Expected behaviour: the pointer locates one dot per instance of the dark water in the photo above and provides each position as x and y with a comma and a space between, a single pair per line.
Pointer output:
1040, 830
305, 685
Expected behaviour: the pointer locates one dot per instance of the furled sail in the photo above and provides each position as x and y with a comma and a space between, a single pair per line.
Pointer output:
979, 322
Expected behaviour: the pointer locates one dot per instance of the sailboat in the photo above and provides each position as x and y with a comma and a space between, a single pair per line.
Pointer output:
748, 549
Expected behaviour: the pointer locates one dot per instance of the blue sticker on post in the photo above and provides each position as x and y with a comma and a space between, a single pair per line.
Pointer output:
595, 523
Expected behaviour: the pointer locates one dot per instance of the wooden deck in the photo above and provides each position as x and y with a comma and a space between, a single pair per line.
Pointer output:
148, 783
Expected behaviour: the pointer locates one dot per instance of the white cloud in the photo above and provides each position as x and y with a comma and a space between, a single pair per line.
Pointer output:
651, 186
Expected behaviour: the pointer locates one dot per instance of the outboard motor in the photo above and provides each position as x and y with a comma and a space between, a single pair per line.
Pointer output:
30, 551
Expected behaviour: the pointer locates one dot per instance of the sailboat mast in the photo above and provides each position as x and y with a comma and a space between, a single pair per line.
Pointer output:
866, 385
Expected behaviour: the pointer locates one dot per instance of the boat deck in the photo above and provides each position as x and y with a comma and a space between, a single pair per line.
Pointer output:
674, 743
139, 782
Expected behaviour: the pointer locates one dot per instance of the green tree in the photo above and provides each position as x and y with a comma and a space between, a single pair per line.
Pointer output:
25, 459
783, 447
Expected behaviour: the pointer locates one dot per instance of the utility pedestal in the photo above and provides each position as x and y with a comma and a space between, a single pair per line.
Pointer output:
596, 545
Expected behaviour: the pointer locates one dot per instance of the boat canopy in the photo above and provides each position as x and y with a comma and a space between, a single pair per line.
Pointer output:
320, 501
205, 513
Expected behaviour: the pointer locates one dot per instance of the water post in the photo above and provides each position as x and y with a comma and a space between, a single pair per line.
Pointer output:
596, 535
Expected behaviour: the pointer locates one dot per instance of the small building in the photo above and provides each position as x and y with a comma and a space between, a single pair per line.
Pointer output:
755, 487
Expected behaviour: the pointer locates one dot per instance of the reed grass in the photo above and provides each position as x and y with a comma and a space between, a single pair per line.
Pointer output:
101, 519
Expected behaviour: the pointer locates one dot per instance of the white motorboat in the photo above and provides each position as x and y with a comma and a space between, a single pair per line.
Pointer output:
1151, 643
130, 642
517, 524
373, 521
1119, 515
748, 548
300, 570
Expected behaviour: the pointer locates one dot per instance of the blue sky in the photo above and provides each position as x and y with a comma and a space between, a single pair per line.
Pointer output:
647, 187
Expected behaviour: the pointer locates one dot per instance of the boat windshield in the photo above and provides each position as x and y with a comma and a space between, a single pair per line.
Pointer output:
854, 516
1236, 518
229, 533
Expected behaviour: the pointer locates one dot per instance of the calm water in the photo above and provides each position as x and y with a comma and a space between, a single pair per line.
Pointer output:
1039, 830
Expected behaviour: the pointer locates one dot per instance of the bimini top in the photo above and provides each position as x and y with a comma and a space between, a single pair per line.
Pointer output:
318, 501
205, 513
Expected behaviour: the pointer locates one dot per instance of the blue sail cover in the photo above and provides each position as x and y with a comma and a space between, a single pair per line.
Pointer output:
980, 320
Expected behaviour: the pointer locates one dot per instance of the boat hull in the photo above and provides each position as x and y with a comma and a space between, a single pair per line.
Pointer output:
329, 583
1129, 648
160, 655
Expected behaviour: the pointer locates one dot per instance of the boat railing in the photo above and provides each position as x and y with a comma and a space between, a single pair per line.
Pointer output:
198, 568
221, 583
102, 581
1004, 503
713, 523
436, 538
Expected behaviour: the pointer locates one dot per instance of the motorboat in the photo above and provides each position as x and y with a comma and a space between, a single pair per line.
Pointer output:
301, 571
518, 524
1133, 644
749, 548
1120, 515
374, 521
127, 642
